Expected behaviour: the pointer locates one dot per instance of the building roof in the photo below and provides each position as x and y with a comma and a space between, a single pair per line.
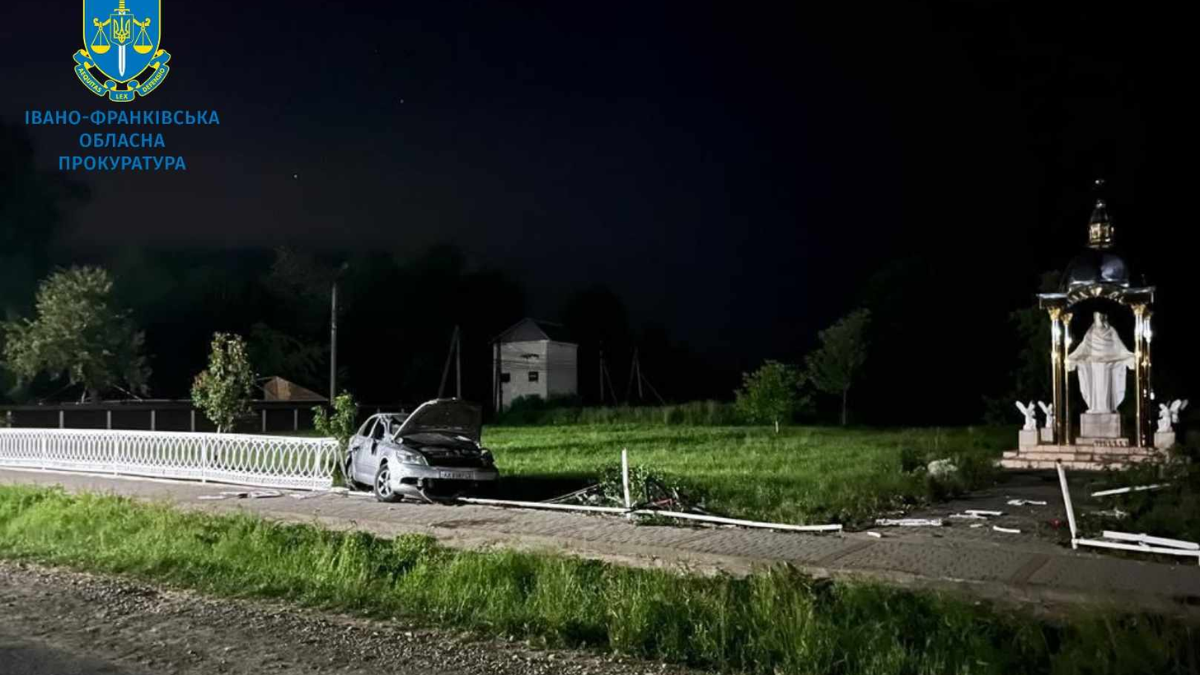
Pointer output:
279, 389
534, 330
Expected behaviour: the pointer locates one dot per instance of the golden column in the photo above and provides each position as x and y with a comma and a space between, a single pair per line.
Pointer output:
1065, 438
1057, 369
1141, 340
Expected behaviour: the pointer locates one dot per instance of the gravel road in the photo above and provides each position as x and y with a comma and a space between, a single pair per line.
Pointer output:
56, 622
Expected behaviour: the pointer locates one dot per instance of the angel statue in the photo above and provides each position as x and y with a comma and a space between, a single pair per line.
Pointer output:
1030, 413
1048, 411
1168, 415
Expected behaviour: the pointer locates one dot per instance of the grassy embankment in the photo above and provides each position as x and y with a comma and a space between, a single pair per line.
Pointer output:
803, 474
777, 622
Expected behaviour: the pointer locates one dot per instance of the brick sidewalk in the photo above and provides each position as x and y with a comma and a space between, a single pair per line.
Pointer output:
1009, 569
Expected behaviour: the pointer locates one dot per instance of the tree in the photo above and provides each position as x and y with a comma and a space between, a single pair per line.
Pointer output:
835, 365
770, 394
223, 390
78, 333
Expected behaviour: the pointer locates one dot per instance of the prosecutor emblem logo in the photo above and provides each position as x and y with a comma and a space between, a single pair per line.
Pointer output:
121, 58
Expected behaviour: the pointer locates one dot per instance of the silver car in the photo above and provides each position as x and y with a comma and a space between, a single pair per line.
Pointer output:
434, 452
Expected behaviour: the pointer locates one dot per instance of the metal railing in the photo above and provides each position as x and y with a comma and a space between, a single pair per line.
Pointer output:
266, 461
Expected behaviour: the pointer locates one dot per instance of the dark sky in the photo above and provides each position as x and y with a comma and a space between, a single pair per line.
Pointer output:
734, 171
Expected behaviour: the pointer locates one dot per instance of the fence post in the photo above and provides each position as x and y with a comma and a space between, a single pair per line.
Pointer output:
116, 444
153, 420
62, 419
203, 454
193, 416
625, 480
108, 420
264, 420
43, 453
295, 419
318, 453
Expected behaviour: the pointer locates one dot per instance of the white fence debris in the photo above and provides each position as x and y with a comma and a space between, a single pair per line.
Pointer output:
981, 512
241, 459
1152, 541
1126, 490
1006, 530
909, 522
1026, 502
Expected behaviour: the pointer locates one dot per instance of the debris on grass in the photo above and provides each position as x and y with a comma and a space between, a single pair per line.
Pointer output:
1147, 540
1026, 502
877, 535
1006, 530
1111, 513
967, 516
982, 512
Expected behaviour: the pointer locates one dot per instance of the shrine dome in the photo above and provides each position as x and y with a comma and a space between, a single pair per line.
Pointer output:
1099, 263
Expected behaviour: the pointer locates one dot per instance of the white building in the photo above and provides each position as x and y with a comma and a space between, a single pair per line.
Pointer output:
533, 358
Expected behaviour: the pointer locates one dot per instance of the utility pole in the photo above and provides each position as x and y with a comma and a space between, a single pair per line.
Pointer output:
456, 352
601, 376
333, 325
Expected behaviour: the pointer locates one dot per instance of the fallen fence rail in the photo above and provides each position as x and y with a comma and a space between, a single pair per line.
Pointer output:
265, 461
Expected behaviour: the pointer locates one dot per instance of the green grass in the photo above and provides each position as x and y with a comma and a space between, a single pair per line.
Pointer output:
775, 622
803, 474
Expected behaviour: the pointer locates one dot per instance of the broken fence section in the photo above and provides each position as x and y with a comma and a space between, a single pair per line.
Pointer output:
1124, 541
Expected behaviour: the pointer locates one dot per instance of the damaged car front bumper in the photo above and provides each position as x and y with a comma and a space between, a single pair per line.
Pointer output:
414, 480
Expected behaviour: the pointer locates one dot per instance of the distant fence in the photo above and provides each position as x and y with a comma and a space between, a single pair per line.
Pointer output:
265, 461
163, 415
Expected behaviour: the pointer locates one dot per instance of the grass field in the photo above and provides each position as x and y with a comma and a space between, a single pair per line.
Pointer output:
804, 474
777, 622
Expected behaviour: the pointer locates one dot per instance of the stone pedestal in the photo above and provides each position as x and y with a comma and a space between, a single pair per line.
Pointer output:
1100, 425
1164, 439
1028, 439
1047, 436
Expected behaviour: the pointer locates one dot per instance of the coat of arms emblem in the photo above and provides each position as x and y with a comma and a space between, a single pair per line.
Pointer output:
121, 58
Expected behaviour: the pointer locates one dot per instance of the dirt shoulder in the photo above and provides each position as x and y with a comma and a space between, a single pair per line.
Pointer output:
56, 621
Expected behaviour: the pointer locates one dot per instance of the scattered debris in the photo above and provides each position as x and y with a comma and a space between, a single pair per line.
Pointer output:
302, 495
909, 522
877, 535
235, 494
339, 491
967, 516
206, 498
941, 467
1026, 502
1006, 530
265, 494
1111, 513
974, 525
981, 512
1125, 490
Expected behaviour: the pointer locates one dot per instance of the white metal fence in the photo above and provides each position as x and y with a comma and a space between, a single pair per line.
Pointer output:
267, 461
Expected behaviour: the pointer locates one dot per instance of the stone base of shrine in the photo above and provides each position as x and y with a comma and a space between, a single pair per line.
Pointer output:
1080, 457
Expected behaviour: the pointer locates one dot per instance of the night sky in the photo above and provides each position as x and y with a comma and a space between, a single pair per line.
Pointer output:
742, 175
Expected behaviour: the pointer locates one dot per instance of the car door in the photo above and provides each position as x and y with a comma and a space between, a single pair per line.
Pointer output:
358, 448
372, 449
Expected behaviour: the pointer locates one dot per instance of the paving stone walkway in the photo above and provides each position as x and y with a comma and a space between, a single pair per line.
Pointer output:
1001, 567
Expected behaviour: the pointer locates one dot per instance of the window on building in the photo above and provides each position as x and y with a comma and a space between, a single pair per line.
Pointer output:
505, 377
533, 376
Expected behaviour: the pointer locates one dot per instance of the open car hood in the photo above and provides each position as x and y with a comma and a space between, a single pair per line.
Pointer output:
450, 416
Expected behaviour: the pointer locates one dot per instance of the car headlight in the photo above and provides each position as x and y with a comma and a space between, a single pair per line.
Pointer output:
488, 459
407, 457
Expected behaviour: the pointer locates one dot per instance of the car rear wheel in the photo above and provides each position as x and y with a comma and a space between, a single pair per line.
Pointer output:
383, 491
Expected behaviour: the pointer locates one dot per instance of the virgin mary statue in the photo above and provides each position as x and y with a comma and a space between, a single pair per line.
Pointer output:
1101, 360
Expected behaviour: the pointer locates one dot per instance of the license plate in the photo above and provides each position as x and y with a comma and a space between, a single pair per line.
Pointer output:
455, 475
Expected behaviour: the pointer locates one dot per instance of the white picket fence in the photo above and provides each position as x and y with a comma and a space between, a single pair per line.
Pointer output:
266, 461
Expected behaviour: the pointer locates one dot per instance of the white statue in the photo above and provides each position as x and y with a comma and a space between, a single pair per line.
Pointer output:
1030, 413
1048, 411
1101, 360
1169, 415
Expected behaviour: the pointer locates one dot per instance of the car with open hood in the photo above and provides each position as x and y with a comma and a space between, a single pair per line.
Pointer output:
432, 453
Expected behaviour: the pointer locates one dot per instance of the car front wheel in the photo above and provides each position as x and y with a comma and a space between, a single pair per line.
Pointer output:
383, 490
